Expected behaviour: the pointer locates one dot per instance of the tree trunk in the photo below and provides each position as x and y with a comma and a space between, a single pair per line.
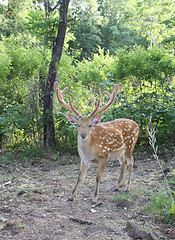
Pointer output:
49, 129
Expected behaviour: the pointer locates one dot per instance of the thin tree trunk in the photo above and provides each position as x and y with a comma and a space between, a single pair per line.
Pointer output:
49, 129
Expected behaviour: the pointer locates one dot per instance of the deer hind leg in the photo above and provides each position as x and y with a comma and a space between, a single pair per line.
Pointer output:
123, 164
130, 162
82, 172
100, 169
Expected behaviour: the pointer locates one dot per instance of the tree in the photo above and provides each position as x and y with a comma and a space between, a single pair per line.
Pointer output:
49, 130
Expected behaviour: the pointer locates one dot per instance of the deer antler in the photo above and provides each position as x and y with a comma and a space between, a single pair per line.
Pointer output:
111, 96
95, 110
61, 100
74, 110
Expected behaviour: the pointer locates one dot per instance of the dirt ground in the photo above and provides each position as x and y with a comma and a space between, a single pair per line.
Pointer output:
34, 206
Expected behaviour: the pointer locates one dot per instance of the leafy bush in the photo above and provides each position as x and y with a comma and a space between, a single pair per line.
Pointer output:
66, 134
7, 157
32, 152
162, 206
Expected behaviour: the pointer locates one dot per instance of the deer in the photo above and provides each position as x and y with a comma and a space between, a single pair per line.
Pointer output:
101, 141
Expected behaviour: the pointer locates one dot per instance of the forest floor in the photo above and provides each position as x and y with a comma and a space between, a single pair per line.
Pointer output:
34, 206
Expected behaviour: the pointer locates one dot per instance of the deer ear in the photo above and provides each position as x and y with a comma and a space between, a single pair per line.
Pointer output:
97, 119
71, 118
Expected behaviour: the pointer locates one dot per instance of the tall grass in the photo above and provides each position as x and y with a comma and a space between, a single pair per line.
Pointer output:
163, 202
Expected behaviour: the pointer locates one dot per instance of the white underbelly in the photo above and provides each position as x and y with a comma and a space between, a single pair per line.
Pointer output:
117, 153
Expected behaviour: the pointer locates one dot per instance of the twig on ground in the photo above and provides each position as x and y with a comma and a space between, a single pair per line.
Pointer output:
152, 236
97, 204
153, 228
61, 195
80, 221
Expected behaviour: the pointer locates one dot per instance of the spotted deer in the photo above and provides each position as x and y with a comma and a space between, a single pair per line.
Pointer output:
101, 141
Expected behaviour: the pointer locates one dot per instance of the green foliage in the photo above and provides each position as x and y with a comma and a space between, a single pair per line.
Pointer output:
19, 109
153, 63
97, 29
121, 197
43, 27
13, 17
32, 152
66, 134
97, 71
7, 157
85, 27
163, 202
5, 63
162, 205
144, 83
172, 210
25, 59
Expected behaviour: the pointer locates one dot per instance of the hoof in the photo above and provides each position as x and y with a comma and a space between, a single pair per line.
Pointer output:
69, 200
94, 203
116, 190
127, 191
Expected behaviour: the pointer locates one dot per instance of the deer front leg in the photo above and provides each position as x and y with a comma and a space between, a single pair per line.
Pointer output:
82, 172
100, 169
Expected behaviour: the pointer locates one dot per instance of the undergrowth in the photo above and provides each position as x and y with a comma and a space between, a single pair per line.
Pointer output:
162, 203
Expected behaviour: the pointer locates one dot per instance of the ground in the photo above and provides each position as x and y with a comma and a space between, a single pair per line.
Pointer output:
34, 206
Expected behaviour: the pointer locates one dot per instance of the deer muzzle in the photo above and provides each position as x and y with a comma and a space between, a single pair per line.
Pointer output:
83, 136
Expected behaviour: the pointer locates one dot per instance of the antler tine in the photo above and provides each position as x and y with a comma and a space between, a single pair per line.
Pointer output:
111, 96
61, 100
94, 111
74, 110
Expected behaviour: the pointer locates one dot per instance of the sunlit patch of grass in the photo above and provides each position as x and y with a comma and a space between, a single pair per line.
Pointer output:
161, 205
121, 197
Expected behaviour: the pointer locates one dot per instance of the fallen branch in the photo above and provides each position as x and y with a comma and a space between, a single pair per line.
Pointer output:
152, 236
80, 221
153, 228
97, 204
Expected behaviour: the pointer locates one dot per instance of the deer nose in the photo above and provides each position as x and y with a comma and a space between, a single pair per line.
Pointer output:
83, 135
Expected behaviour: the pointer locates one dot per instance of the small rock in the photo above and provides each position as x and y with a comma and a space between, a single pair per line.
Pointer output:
9, 226
9, 171
7, 183
37, 191
5, 209
134, 232
3, 220
123, 203
93, 210
21, 192
96, 228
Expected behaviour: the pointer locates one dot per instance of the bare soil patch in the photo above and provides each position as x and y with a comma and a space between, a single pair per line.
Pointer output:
34, 193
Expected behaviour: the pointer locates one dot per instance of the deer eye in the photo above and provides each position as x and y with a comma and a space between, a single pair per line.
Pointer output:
90, 125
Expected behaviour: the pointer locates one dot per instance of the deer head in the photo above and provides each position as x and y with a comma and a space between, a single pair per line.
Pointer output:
84, 124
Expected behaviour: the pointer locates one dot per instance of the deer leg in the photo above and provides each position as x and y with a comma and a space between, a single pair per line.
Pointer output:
130, 168
82, 172
100, 169
123, 168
